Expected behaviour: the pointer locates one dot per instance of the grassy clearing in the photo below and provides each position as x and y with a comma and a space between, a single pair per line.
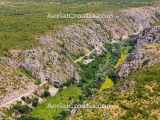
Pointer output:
65, 97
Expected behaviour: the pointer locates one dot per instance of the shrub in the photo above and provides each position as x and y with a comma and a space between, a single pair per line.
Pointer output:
26, 99
23, 109
26, 117
35, 102
46, 94
61, 116
37, 82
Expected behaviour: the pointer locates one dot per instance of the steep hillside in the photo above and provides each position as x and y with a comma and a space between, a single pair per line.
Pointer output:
136, 98
132, 97
41, 55
23, 20
146, 52
55, 60
13, 85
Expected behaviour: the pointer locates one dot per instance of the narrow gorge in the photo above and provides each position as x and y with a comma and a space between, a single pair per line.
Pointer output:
110, 48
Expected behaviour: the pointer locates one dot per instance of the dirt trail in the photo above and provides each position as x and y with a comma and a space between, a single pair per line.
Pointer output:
16, 96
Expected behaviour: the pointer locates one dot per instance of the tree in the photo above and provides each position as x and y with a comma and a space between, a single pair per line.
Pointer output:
46, 94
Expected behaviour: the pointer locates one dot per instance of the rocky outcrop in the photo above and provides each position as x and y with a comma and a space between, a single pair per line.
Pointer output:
94, 33
53, 59
146, 53
48, 65
13, 85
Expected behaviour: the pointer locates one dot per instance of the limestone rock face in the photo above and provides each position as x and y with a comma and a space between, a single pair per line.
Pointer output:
48, 65
147, 51
76, 39
53, 60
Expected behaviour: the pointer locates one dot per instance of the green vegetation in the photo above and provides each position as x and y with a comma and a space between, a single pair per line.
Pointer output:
94, 74
123, 56
45, 94
26, 117
23, 21
37, 82
136, 98
107, 84
23, 109
67, 96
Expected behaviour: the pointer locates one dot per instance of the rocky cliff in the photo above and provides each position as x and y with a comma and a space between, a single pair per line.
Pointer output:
53, 60
146, 53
